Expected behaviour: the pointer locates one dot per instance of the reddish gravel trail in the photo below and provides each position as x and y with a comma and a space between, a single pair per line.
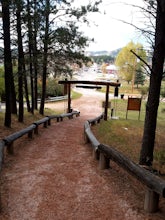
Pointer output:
54, 177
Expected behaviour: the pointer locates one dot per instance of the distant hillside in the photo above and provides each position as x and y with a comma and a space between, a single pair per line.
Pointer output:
112, 53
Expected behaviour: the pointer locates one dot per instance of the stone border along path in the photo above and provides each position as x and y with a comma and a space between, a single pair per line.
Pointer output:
54, 177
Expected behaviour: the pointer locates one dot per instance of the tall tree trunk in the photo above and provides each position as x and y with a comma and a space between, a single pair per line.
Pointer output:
146, 155
26, 89
20, 64
7, 60
13, 96
45, 56
35, 82
30, 36
35, 55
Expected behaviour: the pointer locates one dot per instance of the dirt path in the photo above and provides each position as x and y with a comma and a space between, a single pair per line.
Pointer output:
54, 177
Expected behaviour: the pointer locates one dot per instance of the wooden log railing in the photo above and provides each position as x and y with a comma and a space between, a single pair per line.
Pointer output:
43, 121
9, 140
155, 185
33, 128
96, 120
89, 136
64, 115
70, 114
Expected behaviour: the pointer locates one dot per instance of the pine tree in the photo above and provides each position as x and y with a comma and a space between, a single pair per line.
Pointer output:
7, 59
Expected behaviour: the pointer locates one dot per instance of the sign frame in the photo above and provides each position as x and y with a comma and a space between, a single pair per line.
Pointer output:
134, 104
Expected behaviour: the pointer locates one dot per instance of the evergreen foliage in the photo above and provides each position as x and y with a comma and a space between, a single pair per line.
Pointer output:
46, 39
102, 59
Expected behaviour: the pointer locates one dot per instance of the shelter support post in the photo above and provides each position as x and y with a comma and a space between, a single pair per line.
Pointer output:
106, 103
96, 83
69, 98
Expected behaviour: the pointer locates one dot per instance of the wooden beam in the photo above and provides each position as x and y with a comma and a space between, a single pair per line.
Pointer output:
89, 86
114, 84
149, 179
105, 83
69, 98
106, 103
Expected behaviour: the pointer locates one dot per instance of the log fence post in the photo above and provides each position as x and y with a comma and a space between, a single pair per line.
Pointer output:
151, 201
103, 162
96, 154
30, 134
45, 124
10, 148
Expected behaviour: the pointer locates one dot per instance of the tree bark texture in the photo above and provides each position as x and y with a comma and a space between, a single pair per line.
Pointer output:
7, 60
20, 64
30, 41
35, 55
146, 155
45, 56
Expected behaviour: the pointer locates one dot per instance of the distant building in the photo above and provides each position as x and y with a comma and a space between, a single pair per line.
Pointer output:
112, 72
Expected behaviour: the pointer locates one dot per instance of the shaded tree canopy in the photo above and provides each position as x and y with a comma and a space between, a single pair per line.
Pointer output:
46, 38
102, 59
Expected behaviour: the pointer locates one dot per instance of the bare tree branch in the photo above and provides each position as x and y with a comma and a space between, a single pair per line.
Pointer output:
141, 59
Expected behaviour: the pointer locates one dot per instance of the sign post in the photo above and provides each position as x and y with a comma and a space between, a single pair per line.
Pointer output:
116, 94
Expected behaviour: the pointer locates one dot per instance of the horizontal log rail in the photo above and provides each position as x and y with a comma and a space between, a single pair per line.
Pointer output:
89, 136
18, 134
44, 121
54, 99
64, 115
155, 185
149, 179
89, 86
96, 120
9, 140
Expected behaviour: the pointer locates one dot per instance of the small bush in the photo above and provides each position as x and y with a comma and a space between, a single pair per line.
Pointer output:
159, 156
162, 92
144, 91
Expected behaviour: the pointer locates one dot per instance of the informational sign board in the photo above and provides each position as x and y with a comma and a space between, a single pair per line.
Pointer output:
103, 104
134, 104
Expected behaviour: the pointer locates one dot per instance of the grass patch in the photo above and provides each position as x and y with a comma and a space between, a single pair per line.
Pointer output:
126, 135
76, 95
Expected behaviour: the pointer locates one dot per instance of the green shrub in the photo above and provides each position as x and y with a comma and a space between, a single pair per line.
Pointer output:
159, 156
144, 90
162, 92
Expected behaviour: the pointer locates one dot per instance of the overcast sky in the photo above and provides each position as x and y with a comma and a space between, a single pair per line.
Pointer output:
110, 33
